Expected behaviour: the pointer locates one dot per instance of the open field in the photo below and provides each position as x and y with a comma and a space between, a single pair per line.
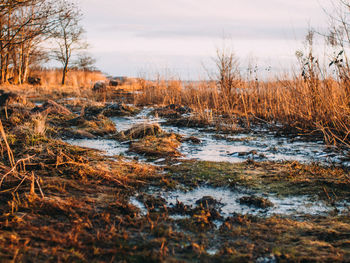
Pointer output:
244, 158
196, 176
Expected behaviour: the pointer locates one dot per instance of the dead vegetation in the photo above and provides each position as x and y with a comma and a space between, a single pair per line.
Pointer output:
59, 198
291, 103
65, 203
164, 145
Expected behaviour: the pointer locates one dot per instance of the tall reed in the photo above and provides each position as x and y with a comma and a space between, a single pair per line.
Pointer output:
291, 103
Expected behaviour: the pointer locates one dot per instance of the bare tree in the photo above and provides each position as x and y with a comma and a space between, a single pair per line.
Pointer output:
23, 26
339, 38
228, 70
68, 36
85, 62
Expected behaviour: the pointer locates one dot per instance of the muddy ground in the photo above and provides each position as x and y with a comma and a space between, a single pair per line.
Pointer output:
151, 202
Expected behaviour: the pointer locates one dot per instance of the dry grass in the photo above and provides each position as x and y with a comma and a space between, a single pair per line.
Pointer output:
63, 203
52, 78
164, 146
79, 84
324, 107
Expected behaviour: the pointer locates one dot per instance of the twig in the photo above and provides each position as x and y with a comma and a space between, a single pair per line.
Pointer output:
14, 168
25, 177
32, 185
326, 192
9, 151
41, 191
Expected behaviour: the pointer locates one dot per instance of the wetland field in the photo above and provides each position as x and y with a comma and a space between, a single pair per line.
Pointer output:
174, 131
114, 175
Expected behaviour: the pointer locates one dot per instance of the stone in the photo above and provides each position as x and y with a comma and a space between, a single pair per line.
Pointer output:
115, 83
100, 87
119, 109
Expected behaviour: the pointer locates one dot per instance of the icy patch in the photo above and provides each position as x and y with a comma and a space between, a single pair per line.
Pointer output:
110, 147
139, 205
212, 251
125, 123
179, 217
295, 205
259, 145
268, 259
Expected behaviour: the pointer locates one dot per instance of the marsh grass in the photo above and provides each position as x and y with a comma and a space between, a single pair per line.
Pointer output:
79, 85
71, 204
75, 78
162, 146
323, 108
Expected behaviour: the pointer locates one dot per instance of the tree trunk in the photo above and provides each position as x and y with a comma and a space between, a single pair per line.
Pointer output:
20, 64
26, 66
26, 56
6, 67
64, 73
2, 65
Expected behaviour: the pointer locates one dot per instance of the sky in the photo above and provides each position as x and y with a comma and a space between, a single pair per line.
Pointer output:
179, 38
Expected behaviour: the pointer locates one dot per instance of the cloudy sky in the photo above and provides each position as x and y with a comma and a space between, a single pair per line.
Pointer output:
180, 37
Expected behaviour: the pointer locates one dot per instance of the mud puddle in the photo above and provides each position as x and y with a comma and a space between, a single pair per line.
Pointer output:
109, 147
230, 202
259, 145
124, 123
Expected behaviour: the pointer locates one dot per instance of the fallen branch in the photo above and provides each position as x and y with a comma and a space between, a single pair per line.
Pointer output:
14, 169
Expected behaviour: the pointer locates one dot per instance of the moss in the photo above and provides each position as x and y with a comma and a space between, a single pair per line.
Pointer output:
284, 179
213, 173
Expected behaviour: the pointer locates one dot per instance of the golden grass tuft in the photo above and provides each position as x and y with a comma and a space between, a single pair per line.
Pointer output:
164, 146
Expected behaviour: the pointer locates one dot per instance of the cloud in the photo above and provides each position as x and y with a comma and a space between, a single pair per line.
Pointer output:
135, 32
202, 18
220, 31
203, 29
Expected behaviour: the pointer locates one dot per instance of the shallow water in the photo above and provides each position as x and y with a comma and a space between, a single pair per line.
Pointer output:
139, 205
263, 144
109, 147
295, 205
125, 123
260, 145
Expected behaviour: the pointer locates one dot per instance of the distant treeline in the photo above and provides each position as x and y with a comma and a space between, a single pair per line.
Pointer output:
25, 25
